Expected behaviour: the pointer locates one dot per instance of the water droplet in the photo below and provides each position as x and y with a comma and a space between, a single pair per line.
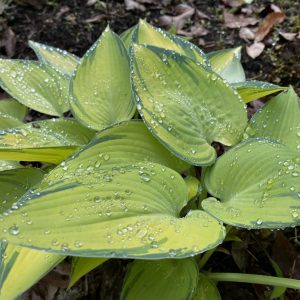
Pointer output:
64, 247
259, 221
14, 230
294, 213
172, 252
77, 244
145, 177
106, 157
55, 242
97, 199
141, 232
107, 178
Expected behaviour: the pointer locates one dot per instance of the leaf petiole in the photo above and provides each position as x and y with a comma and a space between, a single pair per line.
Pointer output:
256, 279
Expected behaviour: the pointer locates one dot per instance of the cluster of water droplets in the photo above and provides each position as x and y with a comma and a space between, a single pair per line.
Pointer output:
36, 85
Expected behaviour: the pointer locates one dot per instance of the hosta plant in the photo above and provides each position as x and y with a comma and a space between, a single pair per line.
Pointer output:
133, 173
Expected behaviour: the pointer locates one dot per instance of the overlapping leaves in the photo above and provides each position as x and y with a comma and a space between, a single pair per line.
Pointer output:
258, 185
122, 195
186, 106
48, 140
15, 260
166, 279
100, 87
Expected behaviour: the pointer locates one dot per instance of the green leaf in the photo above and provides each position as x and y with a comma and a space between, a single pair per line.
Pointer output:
167, 279
13, 108
122, 144
9, 165
185, 106
7, 121
193, 186
21, 267
60, 60
227, 64
206, 289
127, 212
34, 86
83, 265
258, 185
15, 182
149, 35
127, 35
277, 290
100, 87
279, 120
48, 140
252, 89
14, 260
12, 113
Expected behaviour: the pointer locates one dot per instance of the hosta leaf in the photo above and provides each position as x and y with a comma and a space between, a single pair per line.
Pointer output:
185, 105
13, 108
252, 89
149, 35
122, 144
21, 267
9, 165
122, 212
258, 185
206, 289
34, 86
100, 87
14, 183
7, 121
12, 113
60, 60
279, 120
167, 279
227, 64
48, 140
14, 260
126, 36
193, 186
83, 265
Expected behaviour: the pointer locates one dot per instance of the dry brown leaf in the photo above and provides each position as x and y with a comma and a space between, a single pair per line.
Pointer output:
178, 21
195, 31
267, 25
255, 49
233, 3
275, 8
96, 18
132, 5
201, 42
202, 15
289, 36
71, 18
147, 1
8, 42
62, 11
247, 10
238, 21
246, 34
182, 8
91, 2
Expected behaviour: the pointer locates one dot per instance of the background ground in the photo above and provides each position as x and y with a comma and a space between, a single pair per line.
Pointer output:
74, 25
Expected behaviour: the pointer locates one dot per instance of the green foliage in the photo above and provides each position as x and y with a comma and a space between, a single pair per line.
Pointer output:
123, 188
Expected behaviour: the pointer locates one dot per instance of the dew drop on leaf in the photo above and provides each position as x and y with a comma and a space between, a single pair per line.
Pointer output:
14, 230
